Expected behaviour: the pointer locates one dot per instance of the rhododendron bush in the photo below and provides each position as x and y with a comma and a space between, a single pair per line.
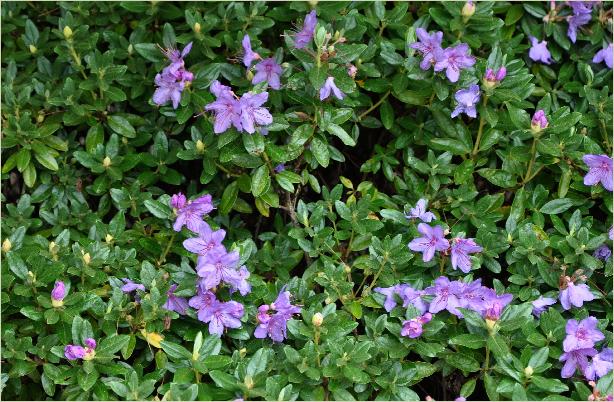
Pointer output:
306, 201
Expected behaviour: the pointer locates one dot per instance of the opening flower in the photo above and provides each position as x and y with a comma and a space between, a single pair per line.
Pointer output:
420, 212
428, 45
304, 36
328, 87
581, 335
268, 70
453, 60
460, 250
467, 100
540, 304
572, 294
539, 121
605, 55
539, 51
175, 303
248, 55
192, 212
433, 240
58, 294
600, 170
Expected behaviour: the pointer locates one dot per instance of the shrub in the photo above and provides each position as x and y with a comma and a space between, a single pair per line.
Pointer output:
337, 200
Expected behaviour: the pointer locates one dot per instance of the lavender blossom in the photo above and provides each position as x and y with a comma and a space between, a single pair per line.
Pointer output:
226, 108
169, 89
540, 304
283, 306
446, 296
74, 352
472, 296
275, 326
90, 343
390, 303
491, 79
582, 335
203, 302
460, 250
207, 242
453, 60
539, 51
420, 212
433, 240
601, 365
222, 315
409, 295
611, 233
603, 252
268, 70
413, 328
175, 303
191, 212
304, 36
495, 304
428, 46
241, 284
572, 294
218, 268
58, 294
606, 54
131, 286
600, 170
280, 168
581, 16
248, 55
576, 359
328, 87
539, 121
252, 112
467, 100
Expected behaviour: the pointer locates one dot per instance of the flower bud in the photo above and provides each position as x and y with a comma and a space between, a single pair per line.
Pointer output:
197, 27
200, 146
528, 371
317, 319
328, 300
468, 10
250, 75
106, 162
6, 245
87, 258
242, 352
539, 121
501, 74
347, 269
89, 354
40, 117
52, 247
33, 49
490, 325
108, 238
249, 382
57, 294
130, 48
67, 32
331, 49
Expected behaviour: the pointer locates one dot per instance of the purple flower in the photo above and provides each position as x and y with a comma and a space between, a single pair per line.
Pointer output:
131, 286
413, 328
169, 89
540, 304
575, 359
390, 302
283, 306
222, 315
581, 16
248, 55
218, 268
603, 252
240, 283
491, 79
275, 326
175, 303
420, 212
203, 302
461, 248
428, 46
575, 295
539, 121
90, 343
582, 335
446, 296
539, 51
460, 399
74, 352
605, 55
467, 100
303, 37
178, 201
412, 296
252, 112
192, 212
495, 304
453, 60
207, 242
226, 108
352, 70
472, 296
611, 233
432, 241
601, 365
600, 170
176, 57
328, 87
280, 168
59, 292
268, 70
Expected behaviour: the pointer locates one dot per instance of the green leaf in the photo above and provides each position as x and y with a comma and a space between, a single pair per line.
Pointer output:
112, 344
468, 340
320, 151
229, 197
158, 209
549, 384
261, 181
556, 206
121, 126
176, 351
341, 133
224, 381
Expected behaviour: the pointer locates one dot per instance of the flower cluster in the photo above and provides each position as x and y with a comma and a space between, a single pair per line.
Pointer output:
581, 15
174, 78
75, 352
274, 325
444, 295
579, 345
452, 59
433, 239
215, 266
